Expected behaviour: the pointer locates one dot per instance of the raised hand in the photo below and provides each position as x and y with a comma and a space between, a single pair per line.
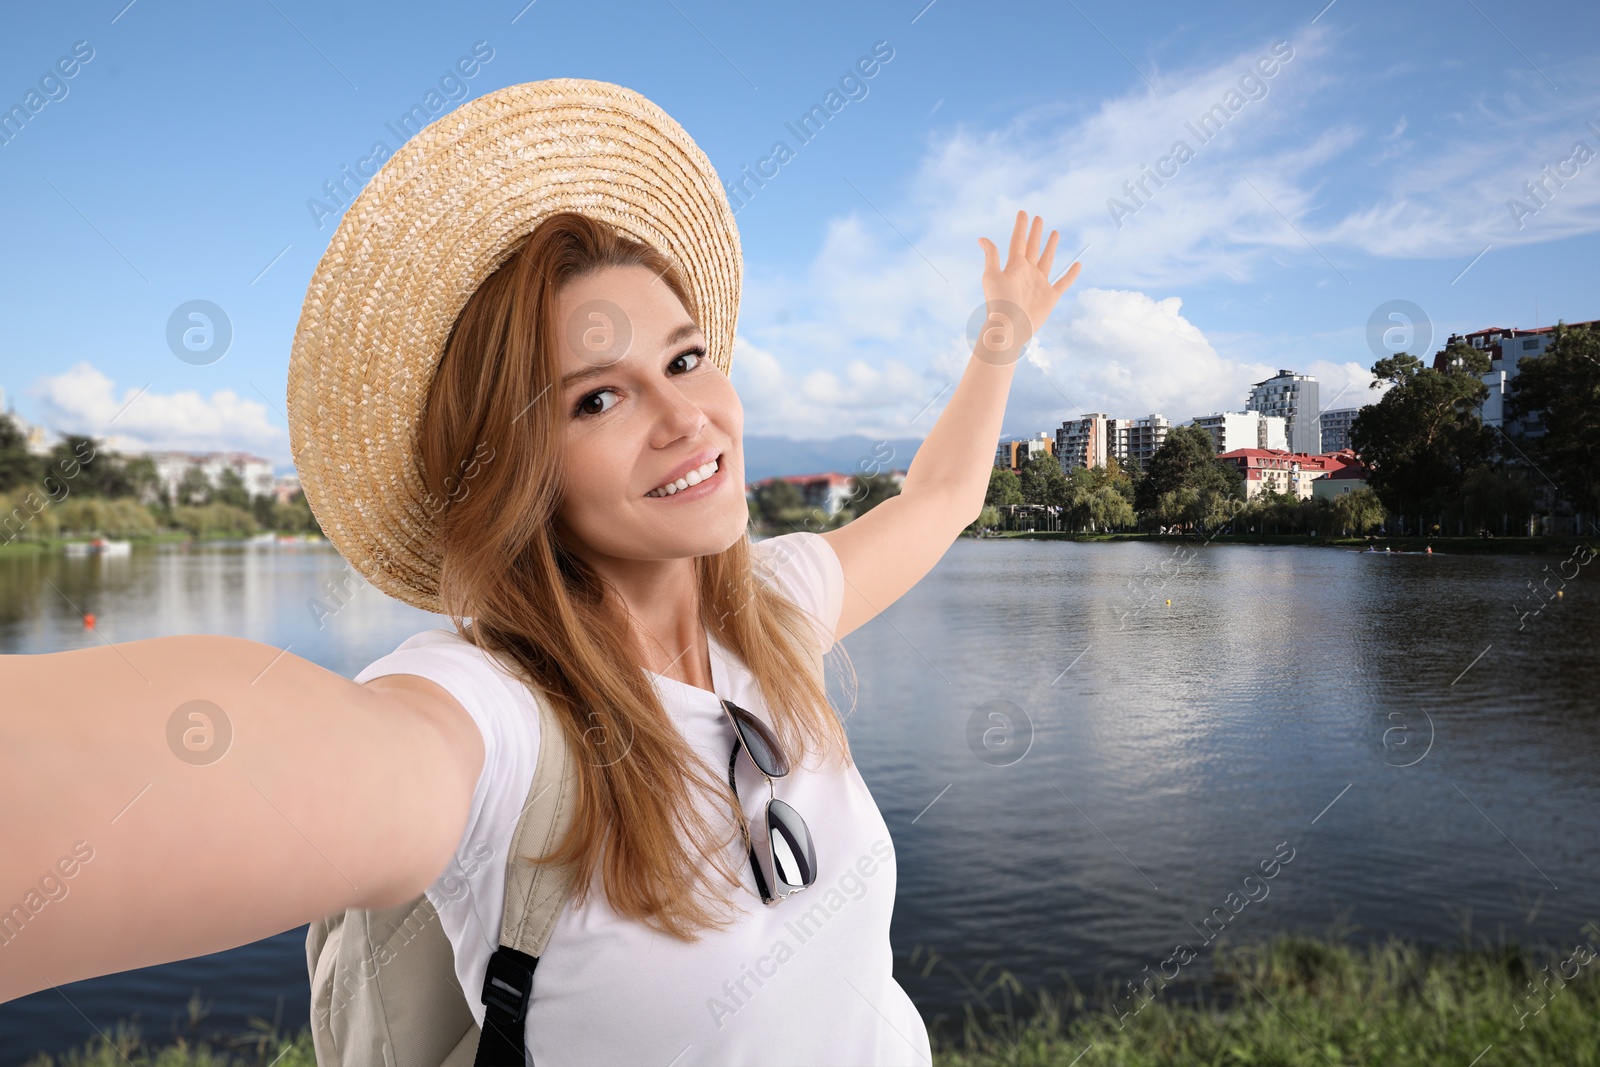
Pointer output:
1021, 296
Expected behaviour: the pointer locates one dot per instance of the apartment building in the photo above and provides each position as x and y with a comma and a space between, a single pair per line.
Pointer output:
1244, 429
254, 471
1085, 442
1272, 470
1134, 441
1336, 428
1013, 452
1506, 347
1294, 397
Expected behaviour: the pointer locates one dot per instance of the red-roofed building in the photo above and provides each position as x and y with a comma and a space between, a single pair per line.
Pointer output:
1271, 470
1346, 479
828, 490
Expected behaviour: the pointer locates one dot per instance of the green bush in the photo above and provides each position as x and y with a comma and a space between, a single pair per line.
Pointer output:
26, 514
121, 517
214, 520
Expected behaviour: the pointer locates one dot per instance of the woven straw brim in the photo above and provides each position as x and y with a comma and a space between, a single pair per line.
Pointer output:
437, 219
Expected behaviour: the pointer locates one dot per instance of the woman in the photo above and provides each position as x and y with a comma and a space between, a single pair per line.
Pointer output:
578, 442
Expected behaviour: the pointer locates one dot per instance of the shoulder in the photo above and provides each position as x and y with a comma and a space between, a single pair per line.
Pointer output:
804, 567
499, 703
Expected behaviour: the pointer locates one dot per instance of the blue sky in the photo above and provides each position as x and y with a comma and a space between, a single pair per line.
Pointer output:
1376, 163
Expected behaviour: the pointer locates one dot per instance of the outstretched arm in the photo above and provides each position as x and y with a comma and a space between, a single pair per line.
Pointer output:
124, 844
888, 550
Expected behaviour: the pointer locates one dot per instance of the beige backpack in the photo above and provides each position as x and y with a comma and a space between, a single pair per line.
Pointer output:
384, 991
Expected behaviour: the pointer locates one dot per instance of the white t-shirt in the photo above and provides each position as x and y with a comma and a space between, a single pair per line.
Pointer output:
807, 981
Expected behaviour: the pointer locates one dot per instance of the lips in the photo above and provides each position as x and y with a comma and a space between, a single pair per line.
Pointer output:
687, 476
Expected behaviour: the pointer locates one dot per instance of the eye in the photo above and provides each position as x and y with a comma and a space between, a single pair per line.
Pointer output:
582, 407
696, 353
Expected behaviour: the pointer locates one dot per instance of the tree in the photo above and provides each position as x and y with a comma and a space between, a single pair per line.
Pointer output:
1494, 499
1357, 511
780, 505
1425, 434
1110, 509
1562, 386
144, 481
987, 519
1004, 488
85, 467
1044, 482
264, 506
1185, 484
194, 487
231, 490
18, 466
870, 490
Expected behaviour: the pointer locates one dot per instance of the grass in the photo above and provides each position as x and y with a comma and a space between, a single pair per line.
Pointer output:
1303, 1002
1289, 1002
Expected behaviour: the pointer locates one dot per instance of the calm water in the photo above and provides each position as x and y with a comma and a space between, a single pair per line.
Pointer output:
1076, 772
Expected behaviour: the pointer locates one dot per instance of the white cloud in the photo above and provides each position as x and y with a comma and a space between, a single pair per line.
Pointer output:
1287, 181
821, 402
83, 400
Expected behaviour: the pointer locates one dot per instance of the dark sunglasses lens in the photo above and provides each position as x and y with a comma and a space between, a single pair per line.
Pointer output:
759, 741
793, 856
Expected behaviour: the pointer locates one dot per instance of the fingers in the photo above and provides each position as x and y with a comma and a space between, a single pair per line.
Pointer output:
991, 256
1017, 238
1064, 283
1032, 252
1049, 253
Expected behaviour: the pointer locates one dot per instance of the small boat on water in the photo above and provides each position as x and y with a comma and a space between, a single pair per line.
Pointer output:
99, 546
268, 538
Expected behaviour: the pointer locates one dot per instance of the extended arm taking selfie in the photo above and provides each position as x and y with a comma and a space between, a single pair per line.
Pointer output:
888, 550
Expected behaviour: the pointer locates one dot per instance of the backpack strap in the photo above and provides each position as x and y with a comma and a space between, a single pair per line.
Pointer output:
535, 894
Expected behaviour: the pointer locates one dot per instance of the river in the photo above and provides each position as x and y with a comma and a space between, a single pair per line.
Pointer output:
1082, 751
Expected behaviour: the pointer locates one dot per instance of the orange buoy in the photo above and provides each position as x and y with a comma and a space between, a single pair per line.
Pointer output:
88, 622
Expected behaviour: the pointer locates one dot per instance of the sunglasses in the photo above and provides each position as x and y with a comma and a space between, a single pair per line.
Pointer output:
781, 852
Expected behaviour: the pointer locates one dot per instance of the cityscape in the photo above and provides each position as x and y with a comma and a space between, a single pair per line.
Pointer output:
1282, 441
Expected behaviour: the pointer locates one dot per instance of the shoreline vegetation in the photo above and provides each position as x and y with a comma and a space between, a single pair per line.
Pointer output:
50, 545
1291, 1001
1538, 545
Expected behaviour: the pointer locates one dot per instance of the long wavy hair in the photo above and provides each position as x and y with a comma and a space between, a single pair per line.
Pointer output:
493, 412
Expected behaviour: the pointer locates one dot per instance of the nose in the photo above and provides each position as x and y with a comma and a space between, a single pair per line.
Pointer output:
676, 416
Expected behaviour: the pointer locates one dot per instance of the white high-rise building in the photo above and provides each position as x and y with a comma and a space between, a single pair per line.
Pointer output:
1294, 397
1134, 441
1244, 429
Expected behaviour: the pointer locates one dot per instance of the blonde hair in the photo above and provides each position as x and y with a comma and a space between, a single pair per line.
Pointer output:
535, 603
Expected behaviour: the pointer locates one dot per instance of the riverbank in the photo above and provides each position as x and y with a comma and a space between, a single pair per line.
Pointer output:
1292, 1001
50, 545
1563, 545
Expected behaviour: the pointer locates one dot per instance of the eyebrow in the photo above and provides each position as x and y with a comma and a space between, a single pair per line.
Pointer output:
687, 329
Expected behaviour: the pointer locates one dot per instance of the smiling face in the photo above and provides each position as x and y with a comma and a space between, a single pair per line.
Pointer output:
644, 405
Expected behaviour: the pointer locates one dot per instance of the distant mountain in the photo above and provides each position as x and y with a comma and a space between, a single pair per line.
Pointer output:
765, 457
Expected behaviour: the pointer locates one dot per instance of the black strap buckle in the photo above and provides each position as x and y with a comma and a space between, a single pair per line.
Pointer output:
508, 984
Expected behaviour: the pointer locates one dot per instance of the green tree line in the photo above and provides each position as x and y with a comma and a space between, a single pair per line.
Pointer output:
81, 488
1437, 467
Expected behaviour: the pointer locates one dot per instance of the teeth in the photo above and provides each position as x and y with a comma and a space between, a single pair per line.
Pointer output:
694, 477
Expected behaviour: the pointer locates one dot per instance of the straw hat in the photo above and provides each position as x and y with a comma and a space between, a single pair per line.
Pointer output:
436, 220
